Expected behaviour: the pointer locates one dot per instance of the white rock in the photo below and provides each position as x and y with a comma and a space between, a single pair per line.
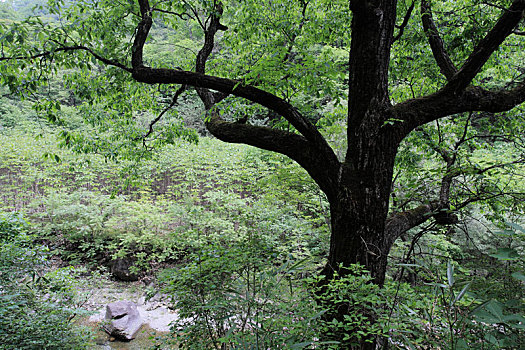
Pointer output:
123, 320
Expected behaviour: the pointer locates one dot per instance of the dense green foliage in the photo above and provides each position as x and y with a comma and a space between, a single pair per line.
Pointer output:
237, 235
35, 307
245, 237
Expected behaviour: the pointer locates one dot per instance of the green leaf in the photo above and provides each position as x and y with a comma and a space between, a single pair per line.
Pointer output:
489, 312
516, 227
410, 345
519, 276
505, 254
317, 315
462, 344
462, 293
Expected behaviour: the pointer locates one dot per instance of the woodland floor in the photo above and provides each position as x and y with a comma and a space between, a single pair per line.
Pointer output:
155, 311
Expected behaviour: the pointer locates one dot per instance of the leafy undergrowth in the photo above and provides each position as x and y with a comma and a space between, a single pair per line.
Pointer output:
187, 194
237, 236
36, 307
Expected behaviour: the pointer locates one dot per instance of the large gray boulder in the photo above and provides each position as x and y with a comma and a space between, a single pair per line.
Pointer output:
123, 320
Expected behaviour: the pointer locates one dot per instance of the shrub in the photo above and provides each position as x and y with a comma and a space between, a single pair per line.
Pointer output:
238, 297
35, 309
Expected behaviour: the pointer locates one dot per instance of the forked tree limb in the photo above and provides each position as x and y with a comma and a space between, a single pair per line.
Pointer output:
310, 150
149, 75
404, 24
445, 64
457, 96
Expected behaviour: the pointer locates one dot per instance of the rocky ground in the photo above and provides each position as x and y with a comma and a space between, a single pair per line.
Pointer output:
153, 307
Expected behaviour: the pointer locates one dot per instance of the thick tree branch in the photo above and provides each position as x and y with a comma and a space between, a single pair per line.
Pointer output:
445, 64
233, 87
419, 111
399, 223
141, 34
298, 148
206, 96
490, 43
228, 86
456, 96
312, 141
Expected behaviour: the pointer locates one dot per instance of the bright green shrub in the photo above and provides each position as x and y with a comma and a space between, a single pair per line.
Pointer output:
363, 300
237, 297
35, 309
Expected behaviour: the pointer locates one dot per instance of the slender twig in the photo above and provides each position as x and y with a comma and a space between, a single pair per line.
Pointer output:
405, 22
159, 117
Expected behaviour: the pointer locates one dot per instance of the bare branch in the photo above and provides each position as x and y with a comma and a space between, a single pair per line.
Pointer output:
164, 111
488, 196
196, 14
445, 64
50, 53
494, 5
180, 15
442, 152
405, 22
233, 87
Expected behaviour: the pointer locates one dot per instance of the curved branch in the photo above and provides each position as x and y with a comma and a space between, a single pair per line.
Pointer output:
289, 144
68, 49
295, 146
204, 53
141, 34
445, 64
234, 87
405, 22
310, 150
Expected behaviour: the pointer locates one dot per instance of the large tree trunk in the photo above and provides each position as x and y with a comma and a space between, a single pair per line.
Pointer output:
359, 208
359, 215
